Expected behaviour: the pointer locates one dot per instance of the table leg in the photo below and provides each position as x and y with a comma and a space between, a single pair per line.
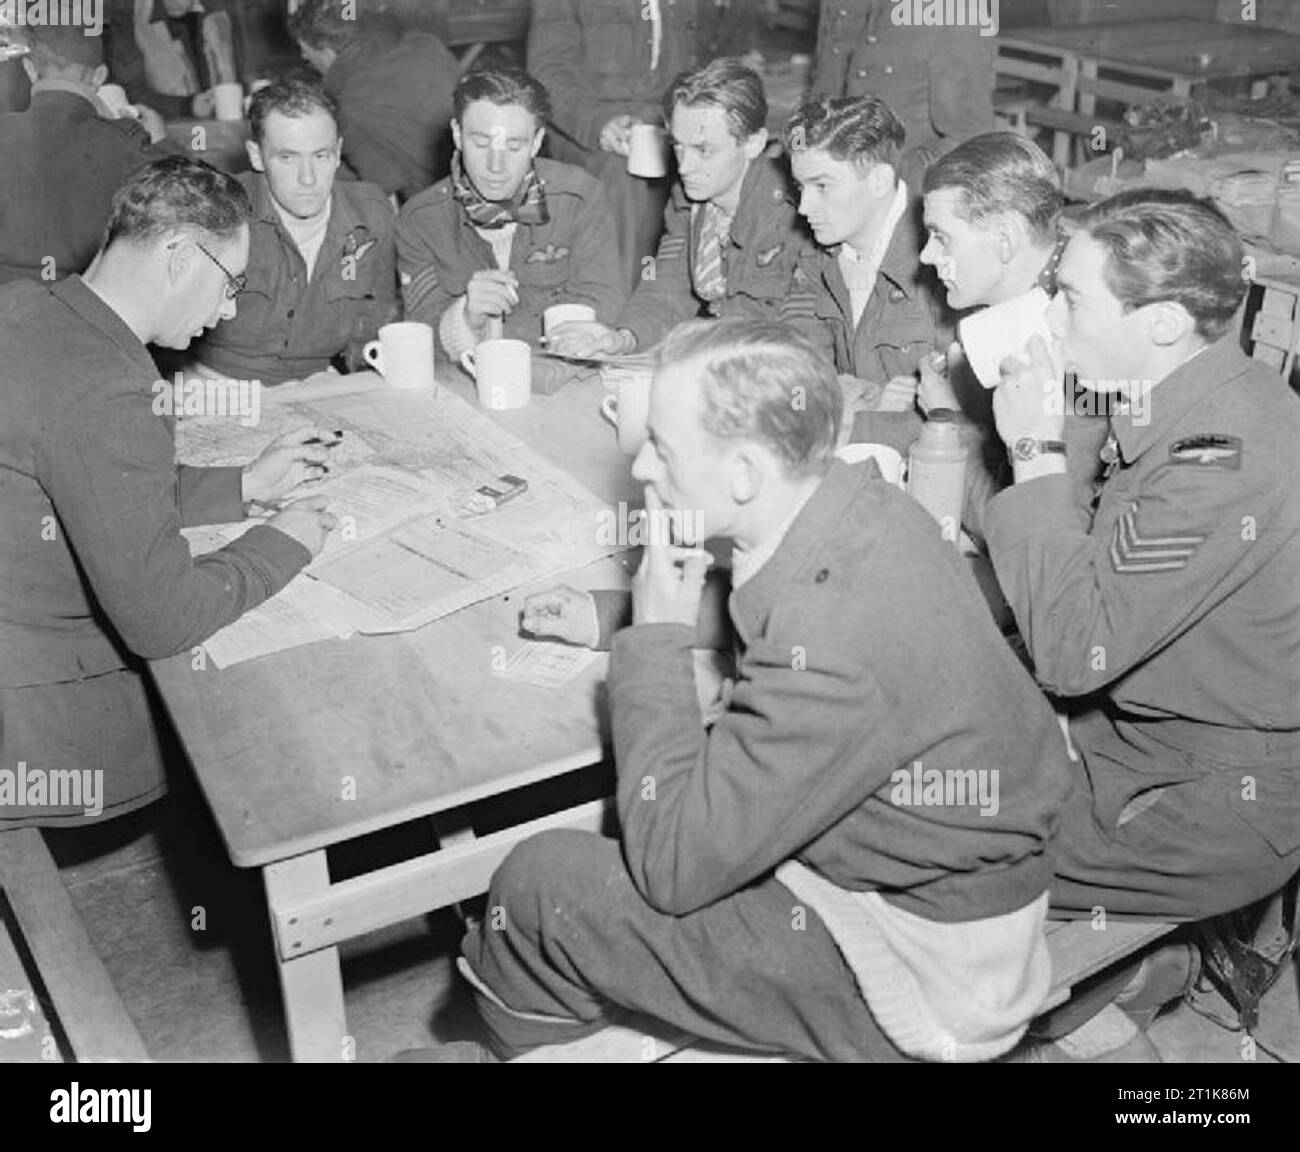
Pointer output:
312, 985
453, 827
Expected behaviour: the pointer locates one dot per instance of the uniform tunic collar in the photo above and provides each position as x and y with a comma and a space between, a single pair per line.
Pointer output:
1186, 388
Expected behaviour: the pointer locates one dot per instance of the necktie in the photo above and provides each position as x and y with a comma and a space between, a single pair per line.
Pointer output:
710, 283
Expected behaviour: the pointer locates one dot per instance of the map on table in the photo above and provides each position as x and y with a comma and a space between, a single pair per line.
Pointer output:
406, 552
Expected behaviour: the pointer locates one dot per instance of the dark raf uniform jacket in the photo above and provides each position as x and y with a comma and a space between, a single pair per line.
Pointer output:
903, 322
62, 163
94, 573
571, 259
287, 326
938, 80
1178, 600
805, 757
758, 259
394, 97
594, 57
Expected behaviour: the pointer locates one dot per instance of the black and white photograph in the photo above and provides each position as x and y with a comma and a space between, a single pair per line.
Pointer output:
650, 531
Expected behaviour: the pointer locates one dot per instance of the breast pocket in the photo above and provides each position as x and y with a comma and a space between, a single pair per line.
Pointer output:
547, 268
612, 43
903, 333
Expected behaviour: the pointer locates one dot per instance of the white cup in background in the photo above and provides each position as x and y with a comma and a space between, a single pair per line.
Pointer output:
114, 98
403, 354
645, 153
228, 101
502, 371
629, 409
558, 314
888, 460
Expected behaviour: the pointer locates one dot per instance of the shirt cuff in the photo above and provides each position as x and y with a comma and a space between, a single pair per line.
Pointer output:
454, 331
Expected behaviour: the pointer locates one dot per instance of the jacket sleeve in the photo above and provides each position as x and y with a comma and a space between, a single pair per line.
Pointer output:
705, 813
961, 88
556, 57
828, 67
367, 153
713, 630
209, 495
600, 280
668, 297
1093, 604
424, 294
799, 310
110, 472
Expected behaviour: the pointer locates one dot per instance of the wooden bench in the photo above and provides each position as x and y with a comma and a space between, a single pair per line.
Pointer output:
42, 922
1078, 951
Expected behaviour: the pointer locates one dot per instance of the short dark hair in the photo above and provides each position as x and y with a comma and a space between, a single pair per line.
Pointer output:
177, 192
765, 382
61, 46
1168, 244
861, 129
1000, 173
502, 84
290, 96
325, 23
727, 84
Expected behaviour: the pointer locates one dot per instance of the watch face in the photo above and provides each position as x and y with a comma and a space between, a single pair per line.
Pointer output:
1026, 448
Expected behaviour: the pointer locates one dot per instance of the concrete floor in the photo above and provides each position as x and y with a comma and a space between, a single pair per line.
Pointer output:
185, 938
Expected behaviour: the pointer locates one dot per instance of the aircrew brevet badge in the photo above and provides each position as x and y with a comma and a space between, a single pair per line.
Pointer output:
1207, 450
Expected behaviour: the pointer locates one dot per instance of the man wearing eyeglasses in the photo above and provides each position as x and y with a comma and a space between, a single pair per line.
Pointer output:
95, 577
321, 273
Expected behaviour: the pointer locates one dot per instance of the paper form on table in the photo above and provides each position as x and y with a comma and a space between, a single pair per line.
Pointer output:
303, 612
547, 664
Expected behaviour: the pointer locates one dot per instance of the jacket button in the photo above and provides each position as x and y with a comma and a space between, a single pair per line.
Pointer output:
835, 49
823, 576
862, 72
872, 39
905, 347
889, 69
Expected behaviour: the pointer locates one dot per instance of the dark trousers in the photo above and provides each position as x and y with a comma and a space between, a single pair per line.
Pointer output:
1188, 856
567, 935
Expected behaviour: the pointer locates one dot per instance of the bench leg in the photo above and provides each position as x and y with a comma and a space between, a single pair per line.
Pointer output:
312, 985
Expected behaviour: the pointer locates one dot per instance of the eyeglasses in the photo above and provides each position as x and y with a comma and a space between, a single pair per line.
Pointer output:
234, 284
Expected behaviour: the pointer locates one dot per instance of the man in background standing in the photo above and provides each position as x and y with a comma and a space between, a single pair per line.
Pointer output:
938, 78
607, 65
64, 157
393, 90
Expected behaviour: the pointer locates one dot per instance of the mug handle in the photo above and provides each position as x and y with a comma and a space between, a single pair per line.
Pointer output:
467, 362
372, 355
609, 409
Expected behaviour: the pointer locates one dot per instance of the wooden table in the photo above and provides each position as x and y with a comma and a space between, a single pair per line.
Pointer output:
1176, 54
319, 745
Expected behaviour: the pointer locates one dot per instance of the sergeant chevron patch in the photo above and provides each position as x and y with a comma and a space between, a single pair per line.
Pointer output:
1131, 551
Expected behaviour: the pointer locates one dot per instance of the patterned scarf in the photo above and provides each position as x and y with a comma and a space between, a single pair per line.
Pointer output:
527, 207
1047, 277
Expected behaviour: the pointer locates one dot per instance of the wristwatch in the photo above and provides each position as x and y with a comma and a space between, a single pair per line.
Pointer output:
1028, 448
